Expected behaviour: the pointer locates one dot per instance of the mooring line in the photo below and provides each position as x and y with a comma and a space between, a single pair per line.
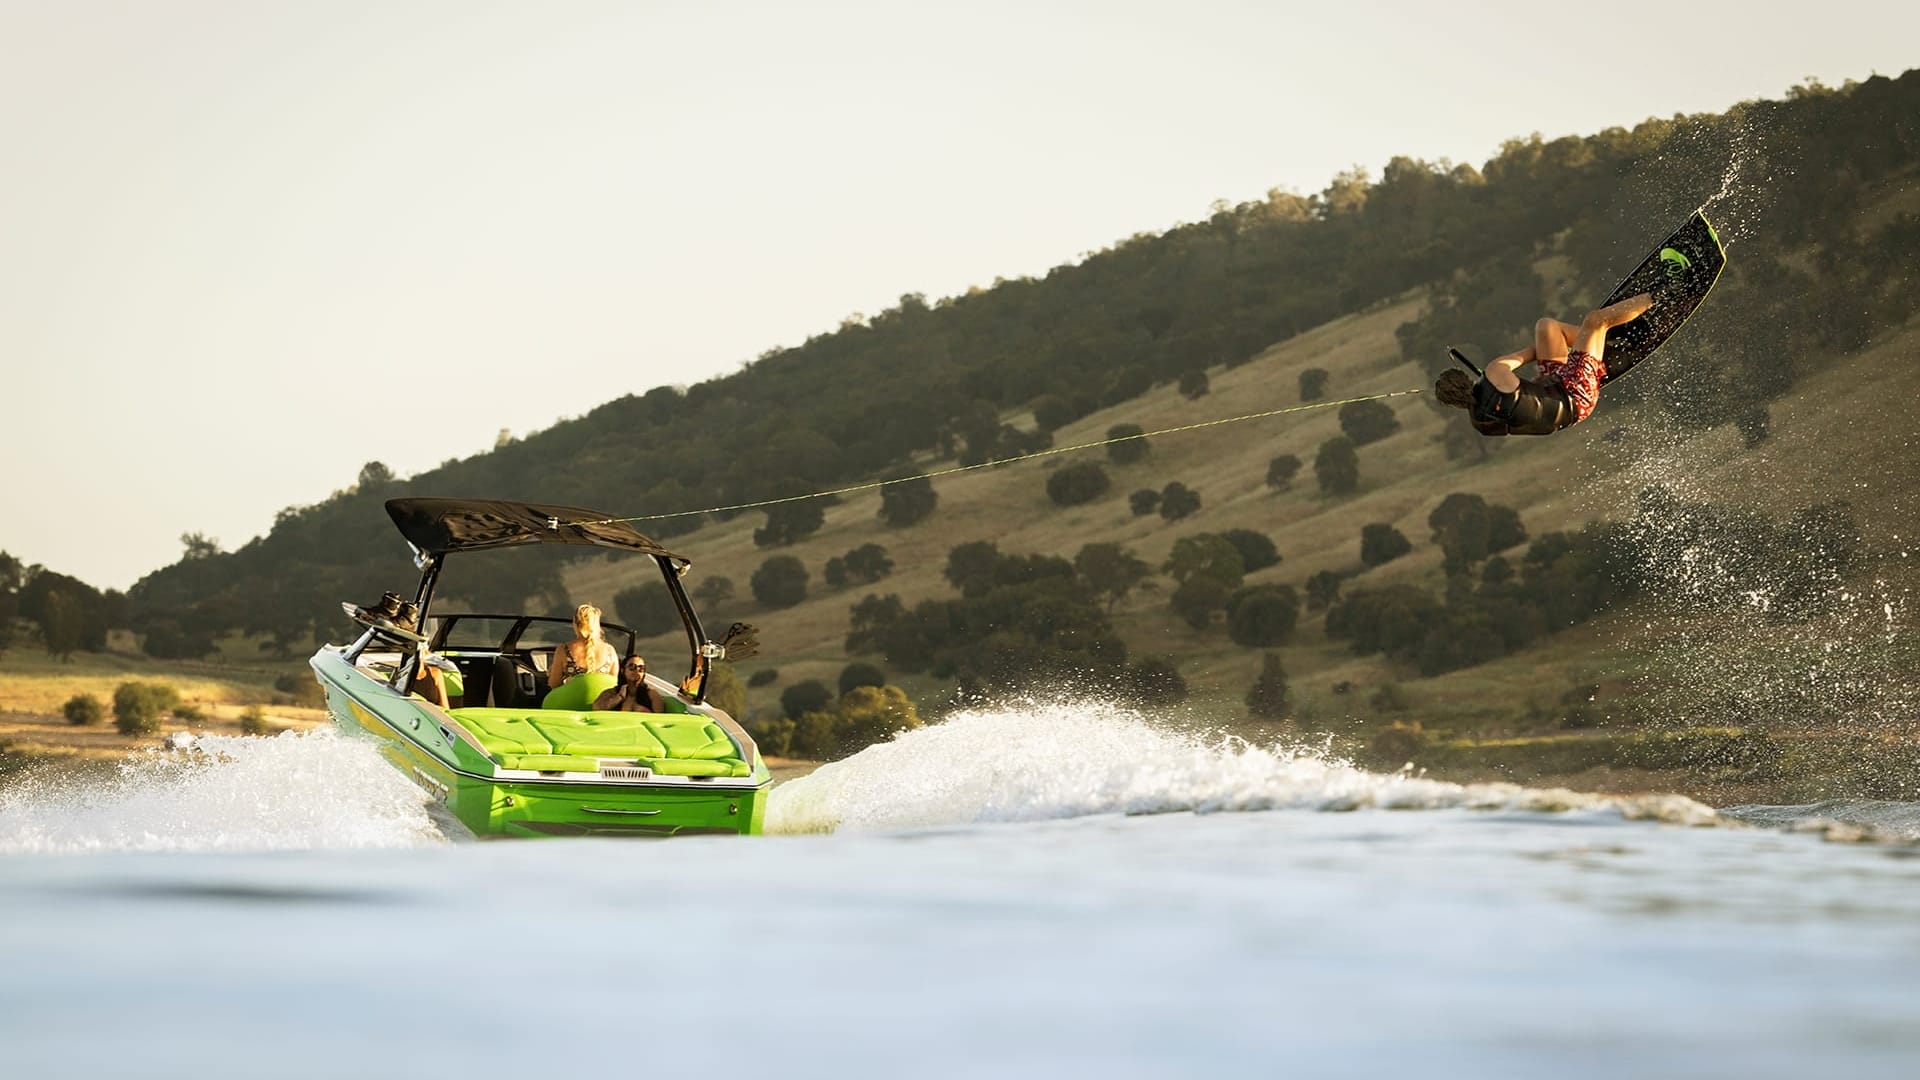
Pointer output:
853, 488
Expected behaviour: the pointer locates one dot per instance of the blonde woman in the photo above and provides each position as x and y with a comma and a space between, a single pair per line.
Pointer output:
588, 651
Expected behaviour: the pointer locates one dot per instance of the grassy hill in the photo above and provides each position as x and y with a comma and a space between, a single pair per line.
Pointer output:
1844, 437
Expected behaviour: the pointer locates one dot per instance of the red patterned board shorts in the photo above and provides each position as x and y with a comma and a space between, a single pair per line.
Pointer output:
1580, 373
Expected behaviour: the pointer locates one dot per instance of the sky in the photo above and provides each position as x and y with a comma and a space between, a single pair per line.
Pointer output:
247, 247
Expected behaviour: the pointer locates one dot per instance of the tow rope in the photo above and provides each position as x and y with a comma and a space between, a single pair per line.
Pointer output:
954, 470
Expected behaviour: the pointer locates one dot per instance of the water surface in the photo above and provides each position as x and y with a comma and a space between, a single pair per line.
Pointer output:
1141, 904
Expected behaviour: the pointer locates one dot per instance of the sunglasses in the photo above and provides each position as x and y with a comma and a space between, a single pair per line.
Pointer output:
636, 667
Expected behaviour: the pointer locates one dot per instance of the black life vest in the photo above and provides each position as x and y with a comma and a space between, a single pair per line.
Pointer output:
1534, 409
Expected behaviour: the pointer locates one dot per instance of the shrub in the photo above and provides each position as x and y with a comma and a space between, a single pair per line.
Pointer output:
1198, 598
1368, 421
189, 714
804, 697
1382, 543
1110, 570
1193, 384
789, 522
647, 609
1323, 589
1281, 471
765, 676
1177, 501
83, 709
253, 721
970, 566
1393, 620
1133, 449
1468, 528
1143, 502
1270, 698
781, 582
1263, 616
867, 564
1078, 483
773, 734
1389, 698
713, 590
870, 714
813, 735
1205, 555
1256, 548
137, 706
724, 690
1126, 384
873, 623
860, 673
1337, 466
835, 573
1052, 412
1313, 384
301, 689
863, 716
907, 500
166, 640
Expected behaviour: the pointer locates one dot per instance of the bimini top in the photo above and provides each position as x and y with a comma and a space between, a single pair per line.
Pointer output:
438, 526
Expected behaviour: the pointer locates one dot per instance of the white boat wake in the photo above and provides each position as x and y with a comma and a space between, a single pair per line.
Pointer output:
297, 790
1040, 762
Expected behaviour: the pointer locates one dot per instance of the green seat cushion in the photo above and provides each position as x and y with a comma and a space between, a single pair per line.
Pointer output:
456, 686
579, 692
548, 763
504, 731
682, 745
600, 734
690, 737
731, 766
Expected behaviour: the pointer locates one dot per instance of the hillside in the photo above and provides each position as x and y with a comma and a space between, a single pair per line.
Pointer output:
1848, 440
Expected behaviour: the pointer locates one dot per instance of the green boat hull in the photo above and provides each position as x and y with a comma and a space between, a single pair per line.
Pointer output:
454, 765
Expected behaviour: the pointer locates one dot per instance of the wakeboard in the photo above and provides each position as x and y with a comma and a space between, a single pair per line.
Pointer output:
1679, 273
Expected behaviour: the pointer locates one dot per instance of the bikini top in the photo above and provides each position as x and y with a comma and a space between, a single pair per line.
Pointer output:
573, 667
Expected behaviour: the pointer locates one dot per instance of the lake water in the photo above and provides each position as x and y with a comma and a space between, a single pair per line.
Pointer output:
1036, 892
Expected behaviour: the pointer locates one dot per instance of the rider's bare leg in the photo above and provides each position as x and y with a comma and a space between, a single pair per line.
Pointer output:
1590, 336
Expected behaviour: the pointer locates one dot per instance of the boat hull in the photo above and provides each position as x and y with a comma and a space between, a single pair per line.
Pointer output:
426, 744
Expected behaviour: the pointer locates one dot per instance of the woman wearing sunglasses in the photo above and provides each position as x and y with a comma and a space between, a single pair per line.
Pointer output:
632, 693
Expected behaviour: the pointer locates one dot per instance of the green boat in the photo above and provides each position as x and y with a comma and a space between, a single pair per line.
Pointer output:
505, 755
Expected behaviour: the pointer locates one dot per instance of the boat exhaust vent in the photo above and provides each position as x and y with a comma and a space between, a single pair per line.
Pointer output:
626, 772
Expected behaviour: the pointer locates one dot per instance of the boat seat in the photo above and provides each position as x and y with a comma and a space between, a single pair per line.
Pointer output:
579, 692
510, 685
616, 735
573, 740
503, 731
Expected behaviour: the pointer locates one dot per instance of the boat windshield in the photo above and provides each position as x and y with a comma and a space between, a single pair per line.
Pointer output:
477, 632
547, 633
498, 633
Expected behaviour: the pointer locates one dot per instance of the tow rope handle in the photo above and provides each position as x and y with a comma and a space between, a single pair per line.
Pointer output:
1464, 362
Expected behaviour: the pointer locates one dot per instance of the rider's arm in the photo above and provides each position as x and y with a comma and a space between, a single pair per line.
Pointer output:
1503, 373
